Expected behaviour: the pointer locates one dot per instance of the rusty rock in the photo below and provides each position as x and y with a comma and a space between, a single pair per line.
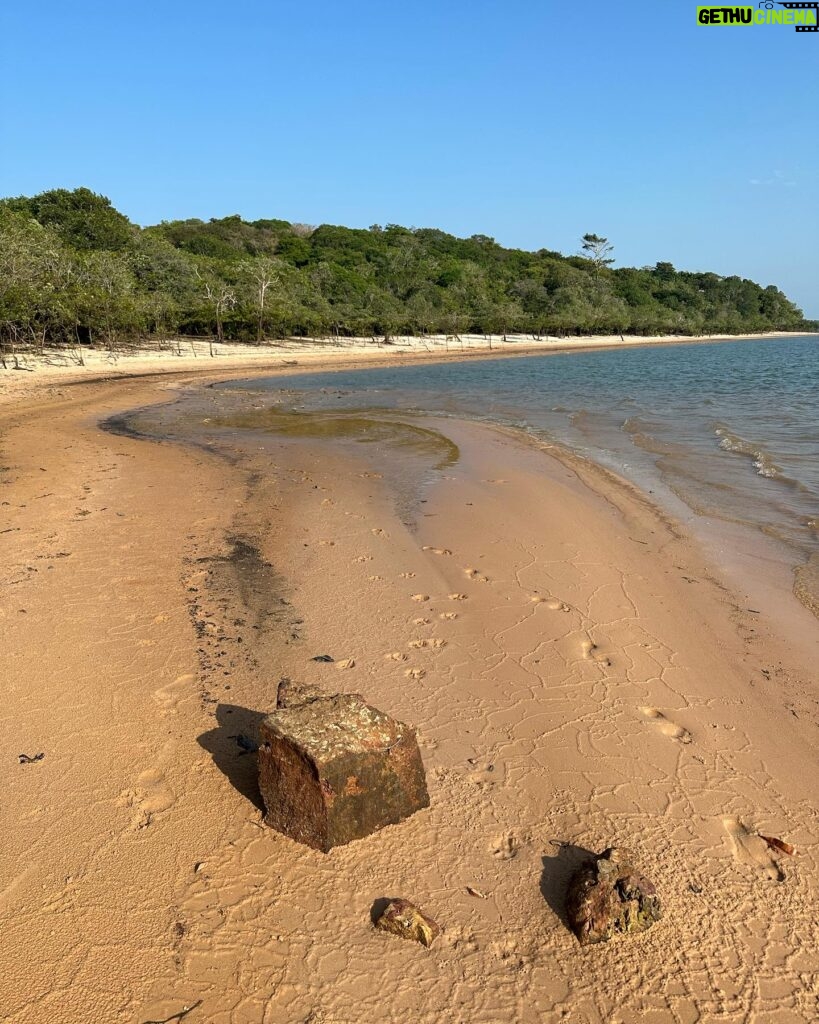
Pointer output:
400, 917
333, 769
608, 897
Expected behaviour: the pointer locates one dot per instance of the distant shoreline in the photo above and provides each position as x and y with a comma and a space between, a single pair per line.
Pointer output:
61, 366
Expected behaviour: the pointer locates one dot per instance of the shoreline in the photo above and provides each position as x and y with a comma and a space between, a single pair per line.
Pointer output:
147, 367
574, 692
59, 367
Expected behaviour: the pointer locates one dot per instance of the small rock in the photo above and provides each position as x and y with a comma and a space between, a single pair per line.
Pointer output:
400, 917
248, 745
293, 695
608, 897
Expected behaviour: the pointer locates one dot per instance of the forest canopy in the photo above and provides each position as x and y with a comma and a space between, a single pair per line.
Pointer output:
73, 269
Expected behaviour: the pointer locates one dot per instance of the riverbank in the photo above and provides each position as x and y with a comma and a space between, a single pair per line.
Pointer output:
23, 376
578, 677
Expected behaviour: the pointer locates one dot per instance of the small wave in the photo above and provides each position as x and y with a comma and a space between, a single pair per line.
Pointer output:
806, 584
762, 460
643, 434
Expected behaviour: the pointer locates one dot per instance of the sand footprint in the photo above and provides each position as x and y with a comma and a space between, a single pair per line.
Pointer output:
378, 532
483, 776
749, 848
592, 653
457, 597
149, 797
395, 656
448, 615
554, 604
407, 575
363, 558
504, 847
424, 644
420, 597
476, 575
666, 726
415, 673
437, 551
420, 622
168, 696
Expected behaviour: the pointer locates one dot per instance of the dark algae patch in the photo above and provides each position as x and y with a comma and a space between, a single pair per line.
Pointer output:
348, 427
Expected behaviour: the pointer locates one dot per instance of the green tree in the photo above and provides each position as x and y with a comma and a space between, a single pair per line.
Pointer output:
598, 251
72, 267
82, 219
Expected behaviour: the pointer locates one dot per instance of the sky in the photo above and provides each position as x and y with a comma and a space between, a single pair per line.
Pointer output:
533, 122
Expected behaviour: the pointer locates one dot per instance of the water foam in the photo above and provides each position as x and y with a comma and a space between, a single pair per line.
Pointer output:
763, 462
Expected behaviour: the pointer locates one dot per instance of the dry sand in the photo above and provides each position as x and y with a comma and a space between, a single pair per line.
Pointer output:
577, 676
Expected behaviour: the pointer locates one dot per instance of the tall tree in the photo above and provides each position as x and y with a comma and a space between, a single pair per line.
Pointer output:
220, 297
262, 274
598, 251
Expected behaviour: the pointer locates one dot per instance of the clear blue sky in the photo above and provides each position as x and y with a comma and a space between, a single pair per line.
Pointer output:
530, 121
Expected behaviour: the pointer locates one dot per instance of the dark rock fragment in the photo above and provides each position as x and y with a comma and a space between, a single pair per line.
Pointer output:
29, 758
293, 695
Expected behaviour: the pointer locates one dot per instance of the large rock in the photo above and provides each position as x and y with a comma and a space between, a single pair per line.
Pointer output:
608, 896
333, 769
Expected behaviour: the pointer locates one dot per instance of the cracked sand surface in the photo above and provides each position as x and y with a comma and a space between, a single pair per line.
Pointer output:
143, 638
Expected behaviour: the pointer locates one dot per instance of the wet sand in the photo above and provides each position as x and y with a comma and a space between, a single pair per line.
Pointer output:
578, 676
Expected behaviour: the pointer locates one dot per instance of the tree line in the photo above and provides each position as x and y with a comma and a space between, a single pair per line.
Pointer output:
75, 271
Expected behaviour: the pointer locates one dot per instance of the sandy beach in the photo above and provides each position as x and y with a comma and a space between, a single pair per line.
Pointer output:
579, 675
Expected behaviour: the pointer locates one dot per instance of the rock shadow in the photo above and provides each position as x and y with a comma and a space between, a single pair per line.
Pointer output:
378, 908
557, 870
232, 745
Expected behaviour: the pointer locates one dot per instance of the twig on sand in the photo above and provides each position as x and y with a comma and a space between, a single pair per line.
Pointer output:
176, 1016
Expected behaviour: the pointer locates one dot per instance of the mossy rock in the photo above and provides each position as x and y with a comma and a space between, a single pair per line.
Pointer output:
608, 897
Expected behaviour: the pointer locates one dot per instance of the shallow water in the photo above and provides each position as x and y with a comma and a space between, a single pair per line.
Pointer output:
730, 429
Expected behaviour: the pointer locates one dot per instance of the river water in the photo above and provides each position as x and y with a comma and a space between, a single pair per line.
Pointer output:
722, 432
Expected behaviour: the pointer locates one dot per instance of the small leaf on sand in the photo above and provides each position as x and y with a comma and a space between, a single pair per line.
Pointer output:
777, 844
